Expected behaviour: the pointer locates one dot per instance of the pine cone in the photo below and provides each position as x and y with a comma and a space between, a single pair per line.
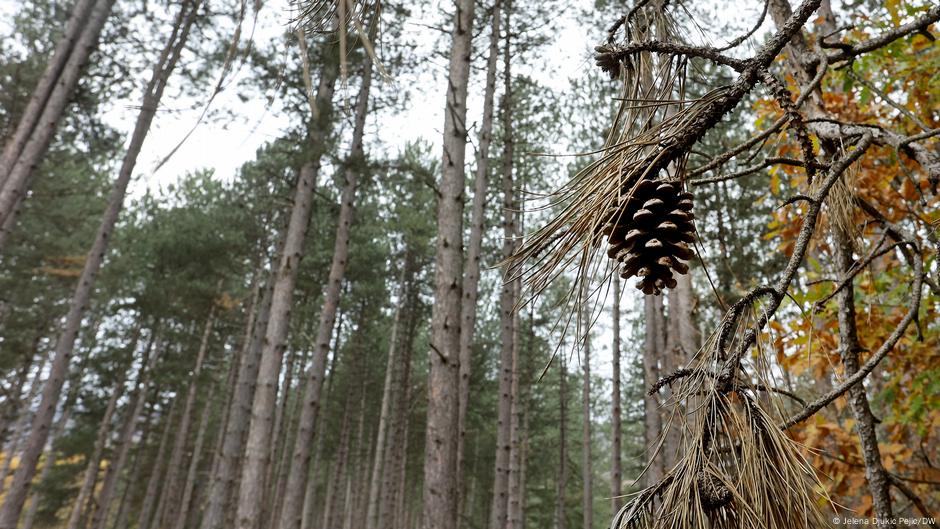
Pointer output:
649, 234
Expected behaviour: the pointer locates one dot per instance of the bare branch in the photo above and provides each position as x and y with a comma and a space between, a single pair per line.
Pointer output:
921, 24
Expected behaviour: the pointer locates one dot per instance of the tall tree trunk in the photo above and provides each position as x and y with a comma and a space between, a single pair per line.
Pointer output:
94, 460
281, 436
257, 448
130, 482
290, 443
516, 439
440, 487
397, 450
616, 470
651, 355
187, 492
229, 456
41, 118
379, 463
587, 473
252, 487
561, 511
520, 459
49, 463
39, 98
13, 505
135, 407
23, 420
507, 413
292, 509
398, 512
336, 493
10, 407
178, 453
145, 516
471, 280
310, 515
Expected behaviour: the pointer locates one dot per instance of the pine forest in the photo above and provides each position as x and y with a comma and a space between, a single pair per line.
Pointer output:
469, 264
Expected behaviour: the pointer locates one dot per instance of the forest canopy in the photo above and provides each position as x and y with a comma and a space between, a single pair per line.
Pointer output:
495, 264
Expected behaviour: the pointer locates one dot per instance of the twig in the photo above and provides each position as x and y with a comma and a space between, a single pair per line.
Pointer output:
872, 362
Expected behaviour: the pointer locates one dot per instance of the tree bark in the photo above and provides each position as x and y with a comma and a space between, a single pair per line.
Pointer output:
257, 448
397, 450
29, 154
57, 430
616, 469
13, 505
21, 422
336, 492
94, 460
190, 483
239, 413
145, 516
561, 511
878, 479
879, 482
178, 452
379, 462
587, 473
310, 514
652, 418
507, 413
39, 98
135, 407
440, 488
471, 279
292, 509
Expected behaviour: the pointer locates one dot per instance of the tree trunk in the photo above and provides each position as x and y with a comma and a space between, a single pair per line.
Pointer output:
47, 466
561, 512
229, 456
13, 504
440, 488
651, 355
41, 118
147, 510
11, 407
281, 438
39, 98
879, 482
131, 482
517, 502
292, 509
187, 493
336, 493
878, 479
587, 474
507, 425
94, 461
471, 280
310, 514
23, 420
100, 518
397, 450
379, 463
257, 448
290, 443
516, 440
178, 453
616, 470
